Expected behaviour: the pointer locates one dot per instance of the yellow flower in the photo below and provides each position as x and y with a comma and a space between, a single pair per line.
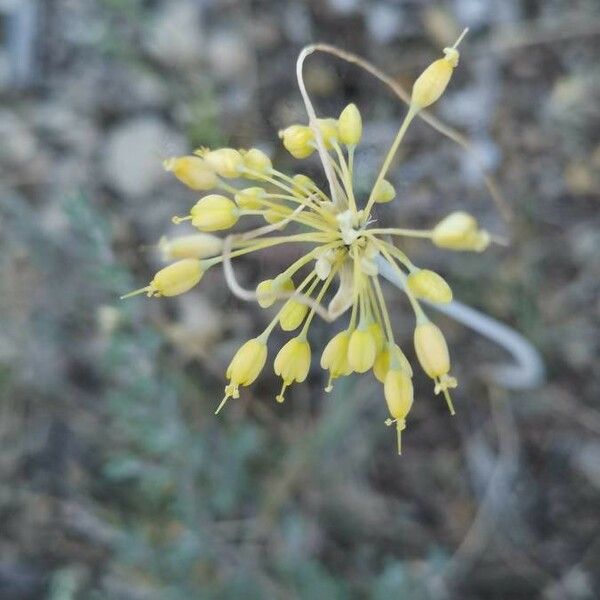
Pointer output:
244, 368
192, 171
292, 363
258, 162
350, 125
227, 162
335, 357
460, 231
250, 198
173, 280
268, 290
362, 350
398, 392
198, 245
213, 213
384, 192
292, 314
433, 355
428, 285
432, 83
298, 140
347, 248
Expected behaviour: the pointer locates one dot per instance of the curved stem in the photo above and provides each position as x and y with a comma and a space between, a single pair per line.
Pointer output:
501, 204
527, 371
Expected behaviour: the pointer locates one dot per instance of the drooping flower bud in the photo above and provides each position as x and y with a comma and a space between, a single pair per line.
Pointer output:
460, 231
214, 213
398, 392
244, 368
362, 350
292, 363
197, 245
350, 125
298, 140
227, 162
335, 358
384, 192
256, 160
433, 355
192, 171
428, 285
250, 198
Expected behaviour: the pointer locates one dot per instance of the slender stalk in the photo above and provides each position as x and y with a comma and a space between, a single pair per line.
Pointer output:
410, 115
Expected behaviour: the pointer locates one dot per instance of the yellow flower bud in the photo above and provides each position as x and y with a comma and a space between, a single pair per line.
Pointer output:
432, 83
386, 358
384, 192
227, 162
214, 213
268, 289
192, 171
329, 131
398, 392
292, 363
350, 125
298, 140
198, 245
335, 357
428, 285
431, 349
173, 280
433, 355
244, 368
362, 350
256, 160
460, 231
250, 198
177, 278
247, 362
292, 314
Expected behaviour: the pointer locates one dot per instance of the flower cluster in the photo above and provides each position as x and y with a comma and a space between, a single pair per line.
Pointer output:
339, 273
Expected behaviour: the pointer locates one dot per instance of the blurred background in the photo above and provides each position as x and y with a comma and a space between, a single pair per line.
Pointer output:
116, 479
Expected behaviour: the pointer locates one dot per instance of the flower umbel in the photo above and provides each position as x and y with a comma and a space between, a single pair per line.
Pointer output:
344, 248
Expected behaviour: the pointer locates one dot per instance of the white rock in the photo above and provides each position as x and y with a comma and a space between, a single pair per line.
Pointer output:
176, 35
134, 153
228, 55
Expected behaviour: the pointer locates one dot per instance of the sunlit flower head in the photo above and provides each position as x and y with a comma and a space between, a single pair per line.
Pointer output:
338, 275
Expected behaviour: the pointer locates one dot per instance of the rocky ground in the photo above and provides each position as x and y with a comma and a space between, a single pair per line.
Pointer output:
117, 480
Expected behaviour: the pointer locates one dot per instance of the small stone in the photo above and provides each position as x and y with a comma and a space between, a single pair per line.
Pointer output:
134, 153
228, 55
176, 36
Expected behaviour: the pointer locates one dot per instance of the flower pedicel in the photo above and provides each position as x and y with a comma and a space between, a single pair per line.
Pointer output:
344, 249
